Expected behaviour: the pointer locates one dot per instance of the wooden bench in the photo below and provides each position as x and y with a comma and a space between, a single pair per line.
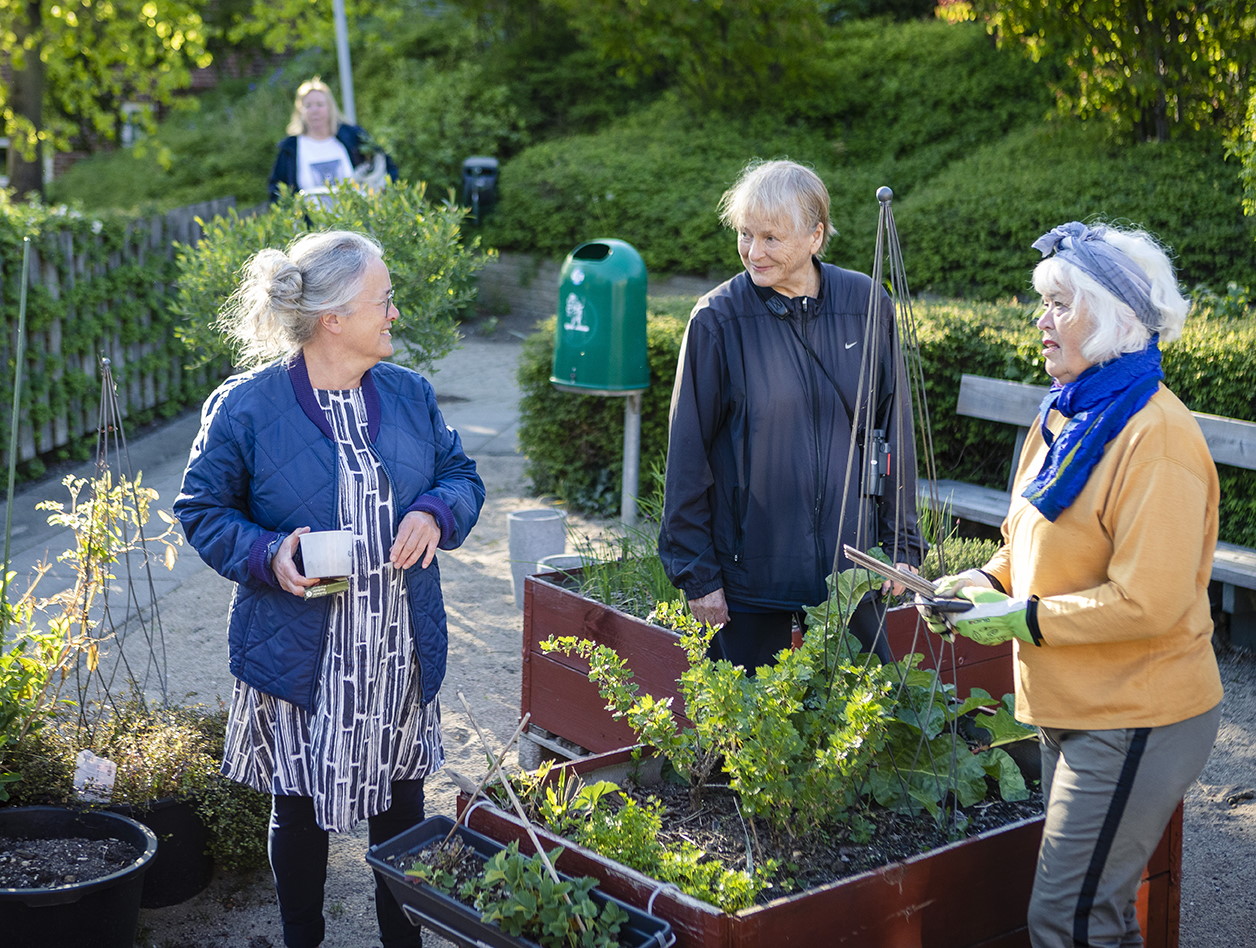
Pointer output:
1230, 440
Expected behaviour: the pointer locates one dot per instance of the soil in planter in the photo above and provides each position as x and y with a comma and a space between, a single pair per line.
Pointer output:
461, 861
824, 856
48, 863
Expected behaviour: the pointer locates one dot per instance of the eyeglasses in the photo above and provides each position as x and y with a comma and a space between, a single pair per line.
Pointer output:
388, 301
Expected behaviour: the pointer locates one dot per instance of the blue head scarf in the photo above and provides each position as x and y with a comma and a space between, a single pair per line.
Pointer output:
1100, 401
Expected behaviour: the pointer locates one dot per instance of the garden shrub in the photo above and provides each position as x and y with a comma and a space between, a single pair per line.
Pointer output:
655, 177
432, 268
968, 231
431, 116
218, 145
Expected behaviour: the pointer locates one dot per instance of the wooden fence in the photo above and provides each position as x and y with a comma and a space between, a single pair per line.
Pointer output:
134, 331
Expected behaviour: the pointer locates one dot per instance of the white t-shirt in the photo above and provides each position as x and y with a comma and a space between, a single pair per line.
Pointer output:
321, 163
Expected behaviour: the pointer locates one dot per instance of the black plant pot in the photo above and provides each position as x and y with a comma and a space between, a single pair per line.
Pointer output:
183, 866
101, 913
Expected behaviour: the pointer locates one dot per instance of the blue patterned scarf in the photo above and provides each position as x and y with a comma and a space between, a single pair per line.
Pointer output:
1097, 404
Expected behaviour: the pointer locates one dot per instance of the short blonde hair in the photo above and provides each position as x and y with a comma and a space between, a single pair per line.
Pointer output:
296, 123
778, 191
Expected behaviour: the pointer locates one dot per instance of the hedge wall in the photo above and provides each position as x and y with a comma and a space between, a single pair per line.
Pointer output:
573, 443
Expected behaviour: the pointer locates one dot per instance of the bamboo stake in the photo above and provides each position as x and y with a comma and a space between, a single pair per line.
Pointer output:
474, 790
514, 800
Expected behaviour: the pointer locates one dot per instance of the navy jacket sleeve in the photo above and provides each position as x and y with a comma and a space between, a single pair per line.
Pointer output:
212, 505
686, 537
285, 168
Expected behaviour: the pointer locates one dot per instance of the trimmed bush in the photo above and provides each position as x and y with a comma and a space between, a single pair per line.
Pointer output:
968, 231
574, 443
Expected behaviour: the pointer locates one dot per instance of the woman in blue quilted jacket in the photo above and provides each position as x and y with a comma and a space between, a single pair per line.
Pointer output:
335, 710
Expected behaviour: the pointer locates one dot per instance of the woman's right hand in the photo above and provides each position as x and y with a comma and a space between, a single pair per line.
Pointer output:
711, 608
285, 568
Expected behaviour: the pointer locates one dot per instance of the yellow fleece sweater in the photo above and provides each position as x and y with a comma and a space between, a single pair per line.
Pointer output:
1122, 580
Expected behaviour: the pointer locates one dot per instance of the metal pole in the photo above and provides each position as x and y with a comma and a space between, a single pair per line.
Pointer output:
632, 459
19, 362
346, 68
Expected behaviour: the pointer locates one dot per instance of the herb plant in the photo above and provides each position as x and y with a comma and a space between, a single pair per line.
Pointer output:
601, 817
812, 739
517, 894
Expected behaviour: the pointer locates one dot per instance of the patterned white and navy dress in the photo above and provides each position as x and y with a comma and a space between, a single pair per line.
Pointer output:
367, 727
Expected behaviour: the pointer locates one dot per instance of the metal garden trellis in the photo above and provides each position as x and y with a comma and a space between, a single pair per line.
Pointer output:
871, 465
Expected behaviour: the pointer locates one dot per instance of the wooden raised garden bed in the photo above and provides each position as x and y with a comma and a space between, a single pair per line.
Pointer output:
970, 894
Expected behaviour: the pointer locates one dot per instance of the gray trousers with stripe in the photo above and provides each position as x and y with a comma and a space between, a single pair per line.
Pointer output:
1109, 795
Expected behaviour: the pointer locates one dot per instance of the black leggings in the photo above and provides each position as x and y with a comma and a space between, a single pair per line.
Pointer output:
298, 859
753, 639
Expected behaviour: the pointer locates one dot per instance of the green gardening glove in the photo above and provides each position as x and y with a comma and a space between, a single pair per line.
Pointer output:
947, 587
994, 618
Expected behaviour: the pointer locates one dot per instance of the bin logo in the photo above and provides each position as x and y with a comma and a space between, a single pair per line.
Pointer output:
575, 315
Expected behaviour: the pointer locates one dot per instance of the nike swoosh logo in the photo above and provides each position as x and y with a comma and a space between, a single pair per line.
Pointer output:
851, 344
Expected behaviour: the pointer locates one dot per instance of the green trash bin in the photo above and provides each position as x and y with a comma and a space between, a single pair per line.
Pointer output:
600, 343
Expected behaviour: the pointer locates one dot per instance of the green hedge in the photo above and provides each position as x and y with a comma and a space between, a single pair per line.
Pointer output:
967, 232
573, 443
97, 286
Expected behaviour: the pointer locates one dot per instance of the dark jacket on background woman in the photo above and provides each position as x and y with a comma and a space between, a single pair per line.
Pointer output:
756, 510
285, 169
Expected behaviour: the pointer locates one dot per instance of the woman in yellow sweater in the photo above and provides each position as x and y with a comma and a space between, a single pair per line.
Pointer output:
1102, 580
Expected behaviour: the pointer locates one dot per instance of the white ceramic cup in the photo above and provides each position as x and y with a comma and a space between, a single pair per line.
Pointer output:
327, 553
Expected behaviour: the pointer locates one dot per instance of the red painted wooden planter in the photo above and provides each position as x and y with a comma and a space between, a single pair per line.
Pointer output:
970, 894
561, 699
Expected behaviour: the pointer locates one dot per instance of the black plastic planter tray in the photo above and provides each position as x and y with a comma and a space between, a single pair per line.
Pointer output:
460, 923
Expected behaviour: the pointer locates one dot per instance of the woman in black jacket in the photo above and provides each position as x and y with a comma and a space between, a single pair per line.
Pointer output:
782, 371
321, 149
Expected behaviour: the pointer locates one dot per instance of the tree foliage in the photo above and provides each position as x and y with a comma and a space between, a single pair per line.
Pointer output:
1152, 66
73, 63
722, 55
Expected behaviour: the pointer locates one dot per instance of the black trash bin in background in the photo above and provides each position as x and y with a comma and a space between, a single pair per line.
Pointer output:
479, 185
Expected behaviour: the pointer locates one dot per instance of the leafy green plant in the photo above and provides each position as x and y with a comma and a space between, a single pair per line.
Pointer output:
432, 268
32, 663
794, 739
517, 894
602, 817
805, 741
161, 751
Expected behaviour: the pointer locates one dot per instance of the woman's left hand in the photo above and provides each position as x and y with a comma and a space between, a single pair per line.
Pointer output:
417, 537
890, 587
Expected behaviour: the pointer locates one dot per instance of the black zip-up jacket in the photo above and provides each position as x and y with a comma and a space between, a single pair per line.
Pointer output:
760, 436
